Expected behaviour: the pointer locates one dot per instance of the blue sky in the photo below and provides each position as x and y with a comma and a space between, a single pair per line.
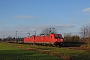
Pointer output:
67, 16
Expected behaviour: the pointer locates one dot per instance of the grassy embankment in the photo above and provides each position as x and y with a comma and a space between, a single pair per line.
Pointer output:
15, 52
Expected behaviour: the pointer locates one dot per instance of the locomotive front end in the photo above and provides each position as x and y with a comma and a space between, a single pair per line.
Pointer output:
58, 40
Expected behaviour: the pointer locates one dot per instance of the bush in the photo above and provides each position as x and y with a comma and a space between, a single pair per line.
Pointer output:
70, 38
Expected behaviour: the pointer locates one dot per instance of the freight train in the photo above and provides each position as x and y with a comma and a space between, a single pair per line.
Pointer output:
52, 39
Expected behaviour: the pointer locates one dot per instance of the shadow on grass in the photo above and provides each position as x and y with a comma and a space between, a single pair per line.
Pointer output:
25, 55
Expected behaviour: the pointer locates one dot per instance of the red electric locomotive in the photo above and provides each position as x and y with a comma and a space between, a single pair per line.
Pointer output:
52, 39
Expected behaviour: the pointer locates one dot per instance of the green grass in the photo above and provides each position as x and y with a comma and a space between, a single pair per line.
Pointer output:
13, 52
24, 55
63, 52
4, 46
73, 54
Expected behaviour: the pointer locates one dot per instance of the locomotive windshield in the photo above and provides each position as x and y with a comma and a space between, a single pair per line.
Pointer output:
58, 36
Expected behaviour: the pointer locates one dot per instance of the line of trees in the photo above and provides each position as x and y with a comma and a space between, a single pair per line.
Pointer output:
84, 35
71, 38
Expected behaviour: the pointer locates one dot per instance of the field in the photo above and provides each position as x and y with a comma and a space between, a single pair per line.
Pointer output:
11, 51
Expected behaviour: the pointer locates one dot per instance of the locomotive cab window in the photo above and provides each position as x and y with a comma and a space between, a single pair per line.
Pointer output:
58, 36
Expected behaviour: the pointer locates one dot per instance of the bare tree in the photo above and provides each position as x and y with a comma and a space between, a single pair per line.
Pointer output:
48, 31
85, 31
